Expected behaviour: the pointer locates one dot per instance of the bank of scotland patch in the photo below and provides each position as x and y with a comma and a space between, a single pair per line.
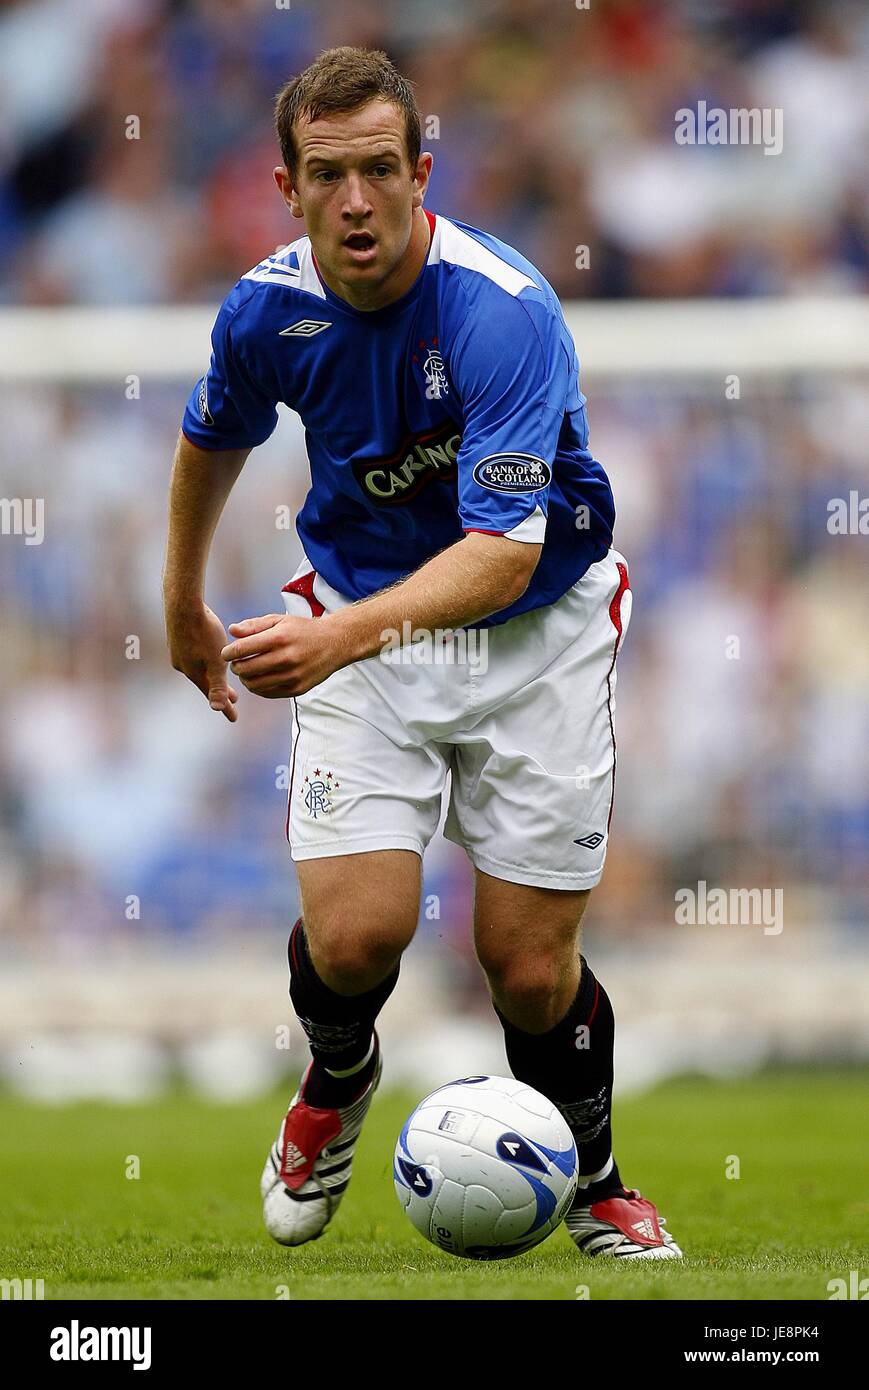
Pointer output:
513, 473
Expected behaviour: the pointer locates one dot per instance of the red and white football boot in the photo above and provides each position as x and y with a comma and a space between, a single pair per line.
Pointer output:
308, 1167
627, 1227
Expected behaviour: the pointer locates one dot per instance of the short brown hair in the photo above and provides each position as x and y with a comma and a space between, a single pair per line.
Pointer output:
343, 79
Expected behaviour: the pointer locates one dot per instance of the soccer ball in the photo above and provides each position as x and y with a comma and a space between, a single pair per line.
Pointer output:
485, 1167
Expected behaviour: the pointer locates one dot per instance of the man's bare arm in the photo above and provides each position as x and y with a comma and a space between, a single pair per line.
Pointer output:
468, 581
276, 656
202, 480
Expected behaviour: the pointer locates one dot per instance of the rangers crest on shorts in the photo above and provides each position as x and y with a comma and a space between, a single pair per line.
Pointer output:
317, 792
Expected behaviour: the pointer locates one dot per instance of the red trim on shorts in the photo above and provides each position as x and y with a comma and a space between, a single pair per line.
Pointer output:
480, 531
616, 619
616, 605
304, 586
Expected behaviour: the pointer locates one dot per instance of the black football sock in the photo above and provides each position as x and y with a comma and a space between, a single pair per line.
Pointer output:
572, 1064
339, 1027
610, 1186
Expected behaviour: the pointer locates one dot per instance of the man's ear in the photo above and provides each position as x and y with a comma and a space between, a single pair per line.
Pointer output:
421, 178
287, 190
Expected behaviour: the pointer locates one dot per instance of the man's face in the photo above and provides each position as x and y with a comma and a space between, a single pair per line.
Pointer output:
357, 192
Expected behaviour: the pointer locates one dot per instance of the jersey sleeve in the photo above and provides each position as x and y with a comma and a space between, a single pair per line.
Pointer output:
510, 371
228, 408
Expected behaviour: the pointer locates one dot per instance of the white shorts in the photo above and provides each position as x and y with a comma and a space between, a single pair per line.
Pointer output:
521, 715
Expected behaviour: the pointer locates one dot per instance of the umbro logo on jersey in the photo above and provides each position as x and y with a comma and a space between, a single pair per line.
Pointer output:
590, 841
305, 328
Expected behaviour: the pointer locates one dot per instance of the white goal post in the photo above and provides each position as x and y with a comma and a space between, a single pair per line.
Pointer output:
685, 338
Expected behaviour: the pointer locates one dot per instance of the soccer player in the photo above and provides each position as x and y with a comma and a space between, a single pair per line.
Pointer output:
459, 609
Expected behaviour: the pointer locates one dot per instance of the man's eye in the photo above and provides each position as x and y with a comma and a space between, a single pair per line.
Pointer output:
326, 176
381, 170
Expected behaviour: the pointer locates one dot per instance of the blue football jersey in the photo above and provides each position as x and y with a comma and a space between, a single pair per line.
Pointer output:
456, 408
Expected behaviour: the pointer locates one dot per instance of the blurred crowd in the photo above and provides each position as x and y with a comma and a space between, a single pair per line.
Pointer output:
130, 811
126, 807
551, 125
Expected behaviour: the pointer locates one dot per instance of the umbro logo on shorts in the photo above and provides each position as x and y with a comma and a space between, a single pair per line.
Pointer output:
590, 841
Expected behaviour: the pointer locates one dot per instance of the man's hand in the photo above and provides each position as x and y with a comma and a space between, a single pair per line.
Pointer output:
196, 636
277, 656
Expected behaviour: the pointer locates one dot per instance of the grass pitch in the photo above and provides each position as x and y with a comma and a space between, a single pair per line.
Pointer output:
189, 1226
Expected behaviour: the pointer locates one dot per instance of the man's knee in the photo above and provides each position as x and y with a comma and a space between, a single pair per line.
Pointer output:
360, 912
352, 958
527, 941
533, 992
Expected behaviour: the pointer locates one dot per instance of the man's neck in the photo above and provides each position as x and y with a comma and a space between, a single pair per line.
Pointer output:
401, 277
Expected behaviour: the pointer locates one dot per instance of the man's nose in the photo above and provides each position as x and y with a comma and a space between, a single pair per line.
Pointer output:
356, 202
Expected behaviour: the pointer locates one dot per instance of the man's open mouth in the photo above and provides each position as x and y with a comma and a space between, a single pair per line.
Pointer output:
359, 241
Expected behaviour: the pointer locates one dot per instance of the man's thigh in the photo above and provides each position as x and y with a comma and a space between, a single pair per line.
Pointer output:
359, 782
534, 774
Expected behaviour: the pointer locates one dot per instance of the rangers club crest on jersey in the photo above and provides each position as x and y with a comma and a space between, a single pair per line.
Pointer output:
317, 792
434, 371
